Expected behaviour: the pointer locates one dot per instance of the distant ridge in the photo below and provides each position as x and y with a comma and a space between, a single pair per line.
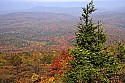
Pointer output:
7, 6
75, 11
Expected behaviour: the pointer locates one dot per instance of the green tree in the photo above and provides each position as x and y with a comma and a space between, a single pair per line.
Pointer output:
91, 63
121, 52
90, 36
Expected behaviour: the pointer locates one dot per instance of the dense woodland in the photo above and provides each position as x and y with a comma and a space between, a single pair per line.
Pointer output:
59, 48
23, 30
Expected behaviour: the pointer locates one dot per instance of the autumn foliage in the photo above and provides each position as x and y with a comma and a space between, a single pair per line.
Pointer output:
60, 63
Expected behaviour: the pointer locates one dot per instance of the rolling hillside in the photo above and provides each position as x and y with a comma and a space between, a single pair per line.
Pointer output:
38, 30
24, 29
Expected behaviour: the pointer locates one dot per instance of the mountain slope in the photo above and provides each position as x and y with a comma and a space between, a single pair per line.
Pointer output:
22, 29
46, 29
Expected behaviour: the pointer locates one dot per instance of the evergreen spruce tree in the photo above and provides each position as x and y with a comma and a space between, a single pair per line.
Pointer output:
91, 63
90, 36
121, 53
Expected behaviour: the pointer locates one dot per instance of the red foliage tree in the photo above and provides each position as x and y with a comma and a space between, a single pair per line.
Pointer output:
59, 63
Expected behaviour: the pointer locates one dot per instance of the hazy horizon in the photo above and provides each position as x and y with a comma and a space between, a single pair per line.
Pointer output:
8, 5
